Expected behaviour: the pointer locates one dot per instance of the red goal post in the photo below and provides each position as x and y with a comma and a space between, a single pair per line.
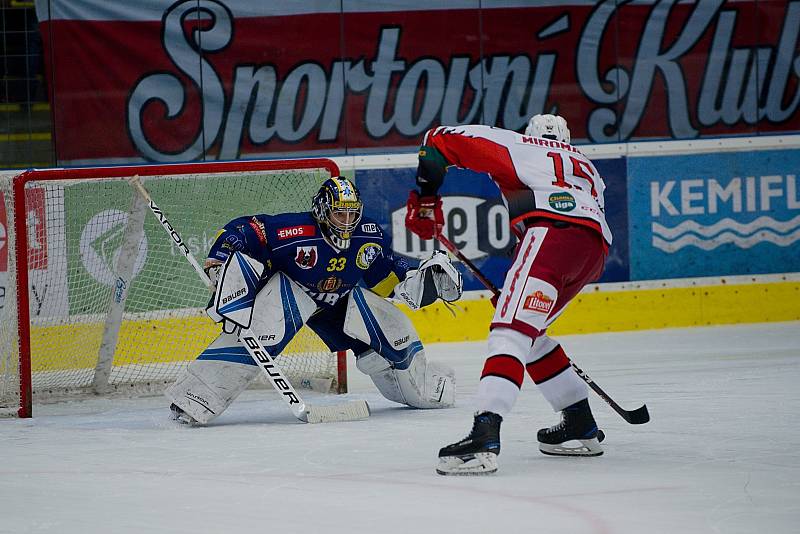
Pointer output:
97, 300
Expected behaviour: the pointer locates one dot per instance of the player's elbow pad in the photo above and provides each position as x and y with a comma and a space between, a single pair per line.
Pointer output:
431, 170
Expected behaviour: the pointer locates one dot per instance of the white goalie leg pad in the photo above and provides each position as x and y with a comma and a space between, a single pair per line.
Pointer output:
428, 384
422, 385
404, 375
206, 387
380, 371
279, 312
381, 325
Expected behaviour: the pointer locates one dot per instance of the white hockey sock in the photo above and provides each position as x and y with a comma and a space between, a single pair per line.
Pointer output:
496, 395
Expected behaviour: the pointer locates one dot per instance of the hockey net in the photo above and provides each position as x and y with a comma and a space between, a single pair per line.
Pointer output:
98, 300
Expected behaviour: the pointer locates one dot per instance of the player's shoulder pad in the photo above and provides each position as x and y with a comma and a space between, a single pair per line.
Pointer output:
287, 226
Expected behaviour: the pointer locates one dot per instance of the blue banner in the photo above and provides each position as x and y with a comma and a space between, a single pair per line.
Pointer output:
476, 219
714, 214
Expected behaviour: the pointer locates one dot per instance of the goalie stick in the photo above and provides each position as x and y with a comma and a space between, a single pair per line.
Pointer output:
348, 411
639, 416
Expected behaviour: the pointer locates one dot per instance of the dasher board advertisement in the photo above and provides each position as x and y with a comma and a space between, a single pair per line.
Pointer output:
714, 214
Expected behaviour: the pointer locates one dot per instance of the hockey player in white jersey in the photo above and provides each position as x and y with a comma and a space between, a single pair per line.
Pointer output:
554, 196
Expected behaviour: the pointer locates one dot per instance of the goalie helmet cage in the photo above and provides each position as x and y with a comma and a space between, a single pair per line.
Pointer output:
97, 300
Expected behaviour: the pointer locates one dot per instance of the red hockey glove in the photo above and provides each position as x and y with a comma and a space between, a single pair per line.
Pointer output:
424, 216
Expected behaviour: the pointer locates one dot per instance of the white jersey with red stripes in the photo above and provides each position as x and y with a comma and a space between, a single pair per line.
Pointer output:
537, 177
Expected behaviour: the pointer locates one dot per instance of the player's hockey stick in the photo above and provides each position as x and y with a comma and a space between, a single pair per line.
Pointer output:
638, 416
349, 411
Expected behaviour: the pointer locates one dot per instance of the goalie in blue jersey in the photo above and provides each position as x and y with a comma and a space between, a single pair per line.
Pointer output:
340, 266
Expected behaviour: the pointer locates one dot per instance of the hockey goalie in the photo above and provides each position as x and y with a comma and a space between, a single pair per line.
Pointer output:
331, 269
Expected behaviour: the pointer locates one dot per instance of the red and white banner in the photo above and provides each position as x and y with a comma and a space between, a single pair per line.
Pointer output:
183, 80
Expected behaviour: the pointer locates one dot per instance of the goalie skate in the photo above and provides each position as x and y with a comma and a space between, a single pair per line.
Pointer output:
179, 416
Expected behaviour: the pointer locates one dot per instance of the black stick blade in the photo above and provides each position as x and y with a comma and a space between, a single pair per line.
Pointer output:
639, 416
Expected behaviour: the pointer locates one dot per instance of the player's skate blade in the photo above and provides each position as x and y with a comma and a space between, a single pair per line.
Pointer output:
587, 447
480, 463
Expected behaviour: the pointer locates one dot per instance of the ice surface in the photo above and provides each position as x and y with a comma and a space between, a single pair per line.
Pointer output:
720, 454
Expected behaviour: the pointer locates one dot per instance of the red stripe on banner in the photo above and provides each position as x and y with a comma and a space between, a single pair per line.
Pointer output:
506, 367
548, 366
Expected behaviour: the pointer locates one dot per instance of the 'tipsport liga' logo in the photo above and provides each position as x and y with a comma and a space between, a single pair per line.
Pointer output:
561, 202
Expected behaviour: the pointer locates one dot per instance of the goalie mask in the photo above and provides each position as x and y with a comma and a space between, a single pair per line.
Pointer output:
337, 209
548, 127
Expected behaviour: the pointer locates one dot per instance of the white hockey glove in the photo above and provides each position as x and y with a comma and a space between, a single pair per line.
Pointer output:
435, 278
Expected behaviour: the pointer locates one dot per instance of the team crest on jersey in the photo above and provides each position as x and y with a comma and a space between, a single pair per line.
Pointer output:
538, 302
367, 254
561, 201
306, 257
332, 283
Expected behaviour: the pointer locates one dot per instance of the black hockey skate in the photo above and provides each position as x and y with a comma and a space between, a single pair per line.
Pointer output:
177, 414
577, 424
477, 453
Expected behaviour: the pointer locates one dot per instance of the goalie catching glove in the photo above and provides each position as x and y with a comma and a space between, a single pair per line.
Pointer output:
435, 278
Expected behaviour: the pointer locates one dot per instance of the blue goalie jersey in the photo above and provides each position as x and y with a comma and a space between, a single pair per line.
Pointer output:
293, 244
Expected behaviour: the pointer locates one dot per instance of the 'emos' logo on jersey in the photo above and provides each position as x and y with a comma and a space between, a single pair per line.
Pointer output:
296, 231
258, 228
369, 228
561, 201
332, 283
538, 302
306, 257
367, 254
